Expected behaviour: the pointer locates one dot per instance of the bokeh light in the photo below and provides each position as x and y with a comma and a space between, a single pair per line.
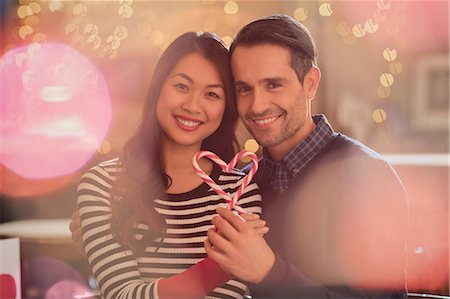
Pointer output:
47, 277
231, 7
301, 14
325, 10
68, 289
55, 110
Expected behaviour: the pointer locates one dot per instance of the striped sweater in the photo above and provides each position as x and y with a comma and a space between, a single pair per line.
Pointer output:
122, 273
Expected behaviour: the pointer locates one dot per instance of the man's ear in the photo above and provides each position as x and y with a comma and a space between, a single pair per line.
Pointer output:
311, 82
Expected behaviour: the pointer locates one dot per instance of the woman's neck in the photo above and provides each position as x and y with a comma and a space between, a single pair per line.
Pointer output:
177, 164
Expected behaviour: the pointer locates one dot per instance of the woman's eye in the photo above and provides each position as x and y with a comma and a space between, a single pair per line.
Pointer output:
181, 86
213, 94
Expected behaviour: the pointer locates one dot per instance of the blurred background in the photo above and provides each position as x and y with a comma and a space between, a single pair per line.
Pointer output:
74, 76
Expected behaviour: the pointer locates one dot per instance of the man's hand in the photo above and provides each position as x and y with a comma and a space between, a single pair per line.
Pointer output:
238, 248
75, 228
256, 223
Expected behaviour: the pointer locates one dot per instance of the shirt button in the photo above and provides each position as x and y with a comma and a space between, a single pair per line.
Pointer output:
296, 170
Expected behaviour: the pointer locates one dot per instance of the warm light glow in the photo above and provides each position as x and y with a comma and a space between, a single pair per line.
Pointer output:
35, 7
370, 26
383, 92
396, 68
105, 147
301, 14
55, 94
24, 31
231, 8
56, 110
387, 79
389, 54
358, 31
379, 116
251, 145
325, 10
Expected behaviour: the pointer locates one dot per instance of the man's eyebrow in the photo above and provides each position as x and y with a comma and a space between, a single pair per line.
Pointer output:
240, 83
264, 80
273, 79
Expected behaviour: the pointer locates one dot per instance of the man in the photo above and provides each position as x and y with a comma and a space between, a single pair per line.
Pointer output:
337, 211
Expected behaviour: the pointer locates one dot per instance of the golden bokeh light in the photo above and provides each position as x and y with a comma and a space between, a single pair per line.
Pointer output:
251, 145
24, 11
359, 31
390, 54
125, 11
396, 67
24, 31
79, 9
55, 5
31, 21
342, 29
70, 28
231, 8
383, 92
121, 32
35, 7
301, 14
370, 26
383, 4
379, 116
325, 10
105, 147
39, 37
387, 79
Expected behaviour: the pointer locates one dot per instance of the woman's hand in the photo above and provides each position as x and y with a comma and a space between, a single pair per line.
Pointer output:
256, 223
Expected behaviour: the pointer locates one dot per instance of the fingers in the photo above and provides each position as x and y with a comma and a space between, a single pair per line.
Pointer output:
250, 217
232, 219
262, 231
223, 229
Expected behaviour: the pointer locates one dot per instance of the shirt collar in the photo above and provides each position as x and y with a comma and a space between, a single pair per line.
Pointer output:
296, 160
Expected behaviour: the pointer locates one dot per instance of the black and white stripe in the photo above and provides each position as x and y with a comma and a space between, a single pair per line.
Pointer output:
122, 273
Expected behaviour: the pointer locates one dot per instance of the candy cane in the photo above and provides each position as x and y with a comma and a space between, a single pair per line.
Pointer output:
232, 202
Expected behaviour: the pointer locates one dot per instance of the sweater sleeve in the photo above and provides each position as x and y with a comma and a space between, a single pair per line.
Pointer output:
115, 266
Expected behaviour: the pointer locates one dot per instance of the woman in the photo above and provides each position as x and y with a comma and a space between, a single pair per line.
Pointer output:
145, 215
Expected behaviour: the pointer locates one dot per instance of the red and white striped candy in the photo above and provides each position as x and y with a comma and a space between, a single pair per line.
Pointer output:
232, 202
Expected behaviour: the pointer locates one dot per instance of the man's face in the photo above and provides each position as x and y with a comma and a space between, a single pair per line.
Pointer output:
273, 104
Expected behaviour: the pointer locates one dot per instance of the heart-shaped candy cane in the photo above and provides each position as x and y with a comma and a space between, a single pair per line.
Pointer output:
232, 202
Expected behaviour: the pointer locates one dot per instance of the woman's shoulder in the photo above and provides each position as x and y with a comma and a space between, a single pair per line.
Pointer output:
106, 170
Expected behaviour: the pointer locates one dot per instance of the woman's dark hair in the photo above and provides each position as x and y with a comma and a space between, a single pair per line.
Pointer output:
284, 31
143, 179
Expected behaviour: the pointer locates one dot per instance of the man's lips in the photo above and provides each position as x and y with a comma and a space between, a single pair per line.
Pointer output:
266, 121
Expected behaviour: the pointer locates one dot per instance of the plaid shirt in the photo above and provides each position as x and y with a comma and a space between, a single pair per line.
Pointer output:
286, 170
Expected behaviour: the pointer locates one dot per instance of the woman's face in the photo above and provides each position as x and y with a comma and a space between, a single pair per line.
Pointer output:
191, 102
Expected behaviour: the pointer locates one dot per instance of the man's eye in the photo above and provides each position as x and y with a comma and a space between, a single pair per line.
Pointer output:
274, 85
243, 89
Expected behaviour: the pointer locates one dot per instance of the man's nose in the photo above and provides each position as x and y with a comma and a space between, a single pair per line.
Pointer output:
260, 102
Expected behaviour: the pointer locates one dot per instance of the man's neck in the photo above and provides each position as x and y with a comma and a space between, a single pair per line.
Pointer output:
278, 152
